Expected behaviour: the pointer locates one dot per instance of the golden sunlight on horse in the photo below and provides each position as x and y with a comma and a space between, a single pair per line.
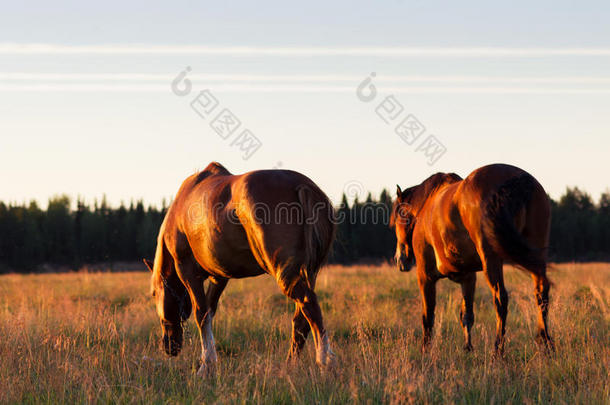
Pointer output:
449, 227
222, 226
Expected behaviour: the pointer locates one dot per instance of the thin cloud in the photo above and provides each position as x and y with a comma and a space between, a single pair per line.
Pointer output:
241, 88
13, 48
165, 77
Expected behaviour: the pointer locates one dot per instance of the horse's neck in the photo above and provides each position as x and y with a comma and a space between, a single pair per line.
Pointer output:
425, 192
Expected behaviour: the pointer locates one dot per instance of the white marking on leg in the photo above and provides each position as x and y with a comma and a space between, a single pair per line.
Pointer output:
208, 345
208, 348
324, 354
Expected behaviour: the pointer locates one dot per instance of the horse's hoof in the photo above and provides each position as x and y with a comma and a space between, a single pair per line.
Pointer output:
546, 343
293, 356
329, 360
330, 367
207, 369
468, 348
498, 354
499, 347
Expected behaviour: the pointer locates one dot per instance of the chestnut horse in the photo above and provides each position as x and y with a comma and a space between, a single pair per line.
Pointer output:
453, 227
222, 226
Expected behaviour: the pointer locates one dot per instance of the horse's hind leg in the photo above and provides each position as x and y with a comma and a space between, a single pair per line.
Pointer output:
466, 311
541, 288
307, 301
300, 330
492, 267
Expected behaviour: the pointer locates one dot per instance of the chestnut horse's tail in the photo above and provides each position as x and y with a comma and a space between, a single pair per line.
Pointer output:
319, 231
499, 224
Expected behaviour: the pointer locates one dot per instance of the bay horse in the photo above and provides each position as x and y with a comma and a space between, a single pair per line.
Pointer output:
451, 227
222, 226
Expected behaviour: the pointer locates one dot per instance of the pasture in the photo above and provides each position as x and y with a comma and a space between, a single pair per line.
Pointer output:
95, 337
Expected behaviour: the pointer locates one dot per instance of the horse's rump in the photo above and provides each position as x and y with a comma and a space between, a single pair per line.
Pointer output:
295, 239
499, 223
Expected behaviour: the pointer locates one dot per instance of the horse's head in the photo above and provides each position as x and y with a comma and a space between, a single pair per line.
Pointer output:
173, 305
403, 221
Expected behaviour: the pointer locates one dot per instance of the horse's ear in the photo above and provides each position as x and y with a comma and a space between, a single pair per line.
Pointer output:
148, 264
398, 192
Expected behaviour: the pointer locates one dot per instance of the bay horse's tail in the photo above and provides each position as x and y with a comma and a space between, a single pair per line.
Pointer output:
319, 230
501, 231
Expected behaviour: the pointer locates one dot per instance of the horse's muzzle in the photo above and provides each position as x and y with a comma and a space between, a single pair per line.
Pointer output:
171, 345
405, 264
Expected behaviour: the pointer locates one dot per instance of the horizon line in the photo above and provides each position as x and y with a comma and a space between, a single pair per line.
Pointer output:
116, 203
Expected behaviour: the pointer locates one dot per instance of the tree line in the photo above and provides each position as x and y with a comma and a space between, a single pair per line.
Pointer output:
62, 236
72, 237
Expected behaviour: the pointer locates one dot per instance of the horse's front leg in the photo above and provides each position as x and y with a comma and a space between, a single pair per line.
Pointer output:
209, 357
204, 315
466, 311
427, 287
208, 346
193, 281
215, 288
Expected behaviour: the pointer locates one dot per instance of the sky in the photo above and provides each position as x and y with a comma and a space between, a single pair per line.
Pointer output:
94, 98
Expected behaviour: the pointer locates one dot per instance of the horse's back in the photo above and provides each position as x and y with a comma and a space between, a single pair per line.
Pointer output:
244, 225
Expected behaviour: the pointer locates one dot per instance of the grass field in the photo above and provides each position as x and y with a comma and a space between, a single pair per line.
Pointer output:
95, 337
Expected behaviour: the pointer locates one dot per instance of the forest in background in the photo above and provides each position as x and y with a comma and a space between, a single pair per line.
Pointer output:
60, 236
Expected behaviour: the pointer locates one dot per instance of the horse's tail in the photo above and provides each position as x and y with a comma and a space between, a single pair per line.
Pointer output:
499, 214
319, 231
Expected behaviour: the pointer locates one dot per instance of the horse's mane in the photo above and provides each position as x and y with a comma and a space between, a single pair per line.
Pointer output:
211, 169
416, 196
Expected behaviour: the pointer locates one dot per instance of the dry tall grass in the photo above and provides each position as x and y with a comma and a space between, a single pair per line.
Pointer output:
89, 337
